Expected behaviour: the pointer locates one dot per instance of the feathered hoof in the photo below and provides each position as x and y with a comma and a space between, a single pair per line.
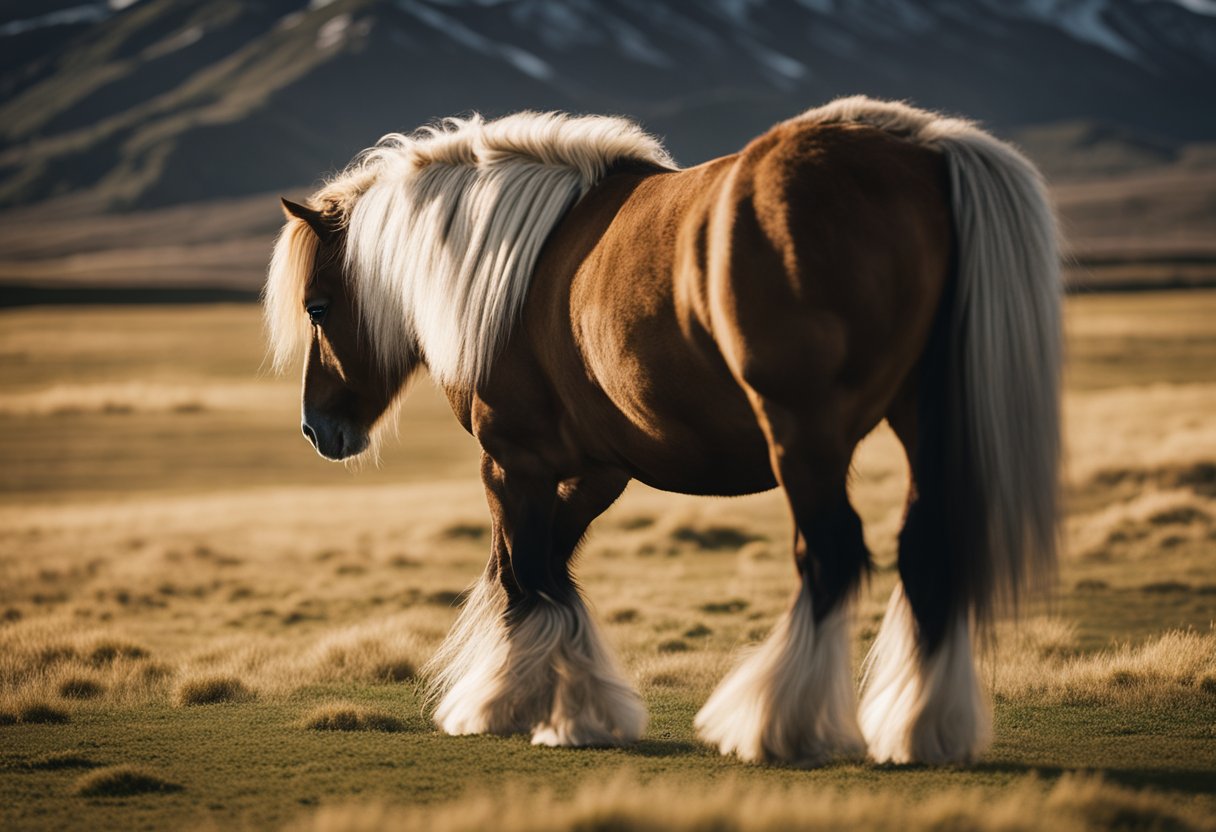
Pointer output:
791, 700
917, 709
741, 731
572, 734
608, 713
460, 718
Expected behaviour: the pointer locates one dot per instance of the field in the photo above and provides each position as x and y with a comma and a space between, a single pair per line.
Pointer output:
204, 625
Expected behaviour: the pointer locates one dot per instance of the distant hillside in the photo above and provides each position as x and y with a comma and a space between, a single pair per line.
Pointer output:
170, 101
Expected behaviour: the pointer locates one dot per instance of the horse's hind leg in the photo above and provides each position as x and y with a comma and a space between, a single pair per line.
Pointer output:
921, 700
792, 699
525, 654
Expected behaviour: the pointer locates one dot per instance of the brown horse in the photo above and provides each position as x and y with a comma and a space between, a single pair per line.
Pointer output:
597, 315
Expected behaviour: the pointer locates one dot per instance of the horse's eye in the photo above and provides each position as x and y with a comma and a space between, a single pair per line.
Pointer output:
316, 312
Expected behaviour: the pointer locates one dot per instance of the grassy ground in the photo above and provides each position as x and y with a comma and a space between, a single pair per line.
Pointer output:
167, 539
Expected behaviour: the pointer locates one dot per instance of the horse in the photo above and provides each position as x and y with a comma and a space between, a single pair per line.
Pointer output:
596, 314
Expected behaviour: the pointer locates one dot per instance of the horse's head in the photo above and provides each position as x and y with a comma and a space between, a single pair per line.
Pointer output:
309, 300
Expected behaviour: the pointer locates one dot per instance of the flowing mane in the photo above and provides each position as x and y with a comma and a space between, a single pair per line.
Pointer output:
443, 229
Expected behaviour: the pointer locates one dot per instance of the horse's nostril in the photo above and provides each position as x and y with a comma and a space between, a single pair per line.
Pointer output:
308, 432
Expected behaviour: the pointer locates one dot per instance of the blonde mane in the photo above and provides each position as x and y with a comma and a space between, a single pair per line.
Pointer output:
443, 230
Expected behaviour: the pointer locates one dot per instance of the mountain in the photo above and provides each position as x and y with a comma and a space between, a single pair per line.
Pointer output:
134, 105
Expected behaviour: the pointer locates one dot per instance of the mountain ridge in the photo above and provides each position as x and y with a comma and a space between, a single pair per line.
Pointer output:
164, 102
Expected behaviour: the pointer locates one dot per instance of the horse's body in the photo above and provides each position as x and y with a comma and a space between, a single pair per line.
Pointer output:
718, 330
680, 420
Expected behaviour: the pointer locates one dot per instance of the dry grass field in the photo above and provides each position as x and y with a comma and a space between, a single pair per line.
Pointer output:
204, 625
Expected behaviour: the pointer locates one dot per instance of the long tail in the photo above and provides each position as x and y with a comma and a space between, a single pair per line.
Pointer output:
1002, 372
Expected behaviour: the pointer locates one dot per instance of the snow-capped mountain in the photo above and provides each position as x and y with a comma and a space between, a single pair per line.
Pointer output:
161, 101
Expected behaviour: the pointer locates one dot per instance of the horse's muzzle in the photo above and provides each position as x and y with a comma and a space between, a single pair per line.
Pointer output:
332, 439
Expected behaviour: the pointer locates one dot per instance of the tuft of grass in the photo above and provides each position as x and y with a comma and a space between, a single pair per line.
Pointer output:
80, 687
674, 645
721, 607
108, 651
345, 716
757, 550
713, 538
465, 531
396, 671
446, 597
1166, 587
40, 713
377, 652
1184, 515
61, 760
212, 690
636, 522
122, 781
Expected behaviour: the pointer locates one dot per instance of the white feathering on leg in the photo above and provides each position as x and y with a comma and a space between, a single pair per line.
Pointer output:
791, 699
593, 704
924, 710
549, 673
468, 682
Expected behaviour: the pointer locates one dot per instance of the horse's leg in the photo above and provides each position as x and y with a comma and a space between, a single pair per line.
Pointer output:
792, 699
921, 700
593, 702
524, 654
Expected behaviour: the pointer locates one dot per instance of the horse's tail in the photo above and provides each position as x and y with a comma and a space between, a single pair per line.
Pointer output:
998, 361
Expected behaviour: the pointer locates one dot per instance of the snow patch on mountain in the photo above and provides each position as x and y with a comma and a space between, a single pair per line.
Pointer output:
1084, 20
92, 13
1207, 7
521, 59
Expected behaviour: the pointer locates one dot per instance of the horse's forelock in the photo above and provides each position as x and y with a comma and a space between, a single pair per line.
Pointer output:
291, 265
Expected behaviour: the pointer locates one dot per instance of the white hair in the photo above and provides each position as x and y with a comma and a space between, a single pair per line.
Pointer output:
444, 227
918, 708
549, 673
790, 699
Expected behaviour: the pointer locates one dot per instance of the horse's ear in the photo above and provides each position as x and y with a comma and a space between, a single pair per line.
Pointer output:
314, 219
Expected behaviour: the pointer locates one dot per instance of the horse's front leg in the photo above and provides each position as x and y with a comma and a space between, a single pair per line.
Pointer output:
525, 654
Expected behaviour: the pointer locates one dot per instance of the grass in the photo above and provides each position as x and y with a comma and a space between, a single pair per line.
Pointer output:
1133, 748
154, 556
35, 712
344, 716
212, 690
121, 781
1074, 803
